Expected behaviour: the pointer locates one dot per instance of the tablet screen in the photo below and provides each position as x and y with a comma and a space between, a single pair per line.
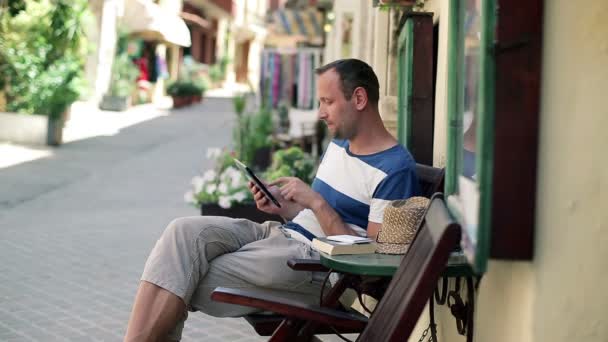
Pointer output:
249, 173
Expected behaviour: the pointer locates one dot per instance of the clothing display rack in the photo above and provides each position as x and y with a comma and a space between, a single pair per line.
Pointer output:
288, 76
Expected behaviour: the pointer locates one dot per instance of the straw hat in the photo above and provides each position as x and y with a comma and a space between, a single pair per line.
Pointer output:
401, 220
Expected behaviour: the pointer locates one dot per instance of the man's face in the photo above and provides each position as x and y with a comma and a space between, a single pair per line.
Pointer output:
338, 113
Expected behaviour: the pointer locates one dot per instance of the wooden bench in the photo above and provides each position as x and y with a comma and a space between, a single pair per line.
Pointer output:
431, 181
399, 309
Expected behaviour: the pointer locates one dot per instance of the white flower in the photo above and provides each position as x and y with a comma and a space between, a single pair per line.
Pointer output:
213, 152
189, 197
209, 175
223, 188
197, 183
236, 178
239, 196
210, 189
224, 202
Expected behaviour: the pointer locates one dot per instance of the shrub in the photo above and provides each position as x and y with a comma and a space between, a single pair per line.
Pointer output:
124, 74
42, 55
252, 133
291, 162
184, 88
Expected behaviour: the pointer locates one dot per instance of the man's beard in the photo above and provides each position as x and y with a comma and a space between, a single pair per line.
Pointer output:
342, 134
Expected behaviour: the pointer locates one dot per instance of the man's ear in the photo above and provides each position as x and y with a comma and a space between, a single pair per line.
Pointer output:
360, 98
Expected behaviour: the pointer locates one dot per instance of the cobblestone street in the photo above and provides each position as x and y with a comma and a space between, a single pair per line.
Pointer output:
76, 226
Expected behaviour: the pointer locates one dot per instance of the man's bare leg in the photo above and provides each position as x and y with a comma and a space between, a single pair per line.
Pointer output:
156, 312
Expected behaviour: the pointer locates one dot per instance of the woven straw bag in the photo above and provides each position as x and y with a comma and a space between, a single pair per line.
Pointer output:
401, 221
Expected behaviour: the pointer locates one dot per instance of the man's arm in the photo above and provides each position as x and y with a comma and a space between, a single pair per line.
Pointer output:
330, 221
295, 190
288, 210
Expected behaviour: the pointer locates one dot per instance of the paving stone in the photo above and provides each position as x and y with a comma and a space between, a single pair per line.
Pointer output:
73, 242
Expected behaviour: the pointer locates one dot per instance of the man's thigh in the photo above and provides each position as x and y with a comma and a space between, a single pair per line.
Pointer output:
260, 265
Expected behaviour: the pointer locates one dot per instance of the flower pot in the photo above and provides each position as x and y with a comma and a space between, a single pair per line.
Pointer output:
115, 103
241, 210
54, 136
32, 129
181, 101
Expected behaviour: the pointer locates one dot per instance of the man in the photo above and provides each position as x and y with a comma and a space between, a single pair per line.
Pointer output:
363, 168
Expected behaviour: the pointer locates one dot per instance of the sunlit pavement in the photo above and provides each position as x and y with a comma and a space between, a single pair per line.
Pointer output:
77, 222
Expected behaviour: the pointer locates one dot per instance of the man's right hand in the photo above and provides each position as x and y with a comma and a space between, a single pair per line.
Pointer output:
288, 210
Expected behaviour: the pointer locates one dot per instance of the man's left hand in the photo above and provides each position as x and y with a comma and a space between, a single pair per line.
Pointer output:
294, 189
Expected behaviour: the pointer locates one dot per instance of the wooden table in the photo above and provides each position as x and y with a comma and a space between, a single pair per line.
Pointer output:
354, 271
385, 265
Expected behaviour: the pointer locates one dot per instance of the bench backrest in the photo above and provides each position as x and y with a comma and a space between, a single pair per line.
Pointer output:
412, 285
431, 179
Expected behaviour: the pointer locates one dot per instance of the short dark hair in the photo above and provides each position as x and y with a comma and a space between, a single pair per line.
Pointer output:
354, 73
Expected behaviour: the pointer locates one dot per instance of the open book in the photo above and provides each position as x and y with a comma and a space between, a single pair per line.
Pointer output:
344, 244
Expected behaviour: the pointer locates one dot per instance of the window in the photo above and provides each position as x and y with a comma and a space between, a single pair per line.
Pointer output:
470, 88
493, 108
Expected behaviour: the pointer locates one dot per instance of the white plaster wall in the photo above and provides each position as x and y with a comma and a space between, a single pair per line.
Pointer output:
380, 62
358, 9
255, 61
368, 26
106, 48
92, 31
571, 262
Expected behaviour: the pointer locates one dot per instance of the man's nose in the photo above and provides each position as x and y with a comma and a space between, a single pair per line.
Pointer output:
321, 114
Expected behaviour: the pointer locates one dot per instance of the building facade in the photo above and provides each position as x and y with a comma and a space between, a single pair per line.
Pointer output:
555, 294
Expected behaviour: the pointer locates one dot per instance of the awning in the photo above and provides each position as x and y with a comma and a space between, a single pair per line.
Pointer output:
149, 21
304, 22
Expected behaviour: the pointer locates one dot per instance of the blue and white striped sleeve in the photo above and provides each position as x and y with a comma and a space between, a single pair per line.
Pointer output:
397, 185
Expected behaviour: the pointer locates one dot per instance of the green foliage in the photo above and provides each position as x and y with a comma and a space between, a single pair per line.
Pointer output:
253, 132
291, 162
124, 74
42, 55
191, 81
195, 72
217, 72
185, 88
239, 101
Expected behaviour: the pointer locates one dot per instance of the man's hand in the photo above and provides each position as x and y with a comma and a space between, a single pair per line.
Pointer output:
294, 189
288, 208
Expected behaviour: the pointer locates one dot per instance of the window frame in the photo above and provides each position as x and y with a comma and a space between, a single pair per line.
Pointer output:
476, 248
508, 110
415, 93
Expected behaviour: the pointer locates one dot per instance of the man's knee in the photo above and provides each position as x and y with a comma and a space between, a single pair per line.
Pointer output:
189, 227
196, 230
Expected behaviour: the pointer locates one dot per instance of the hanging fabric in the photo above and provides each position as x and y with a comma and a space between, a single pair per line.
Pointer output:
288, 77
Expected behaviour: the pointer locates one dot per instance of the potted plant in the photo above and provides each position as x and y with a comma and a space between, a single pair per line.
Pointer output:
122, 86
253, 138
41, 76
223, 191
283, 114
185, 92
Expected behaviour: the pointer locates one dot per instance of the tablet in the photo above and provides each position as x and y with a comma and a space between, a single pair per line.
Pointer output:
249, 173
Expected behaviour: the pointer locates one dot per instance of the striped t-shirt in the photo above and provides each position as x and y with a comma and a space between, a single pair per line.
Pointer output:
358, 187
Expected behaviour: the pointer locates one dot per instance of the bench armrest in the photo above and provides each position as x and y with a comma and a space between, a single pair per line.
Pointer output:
310, 265
289, 307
